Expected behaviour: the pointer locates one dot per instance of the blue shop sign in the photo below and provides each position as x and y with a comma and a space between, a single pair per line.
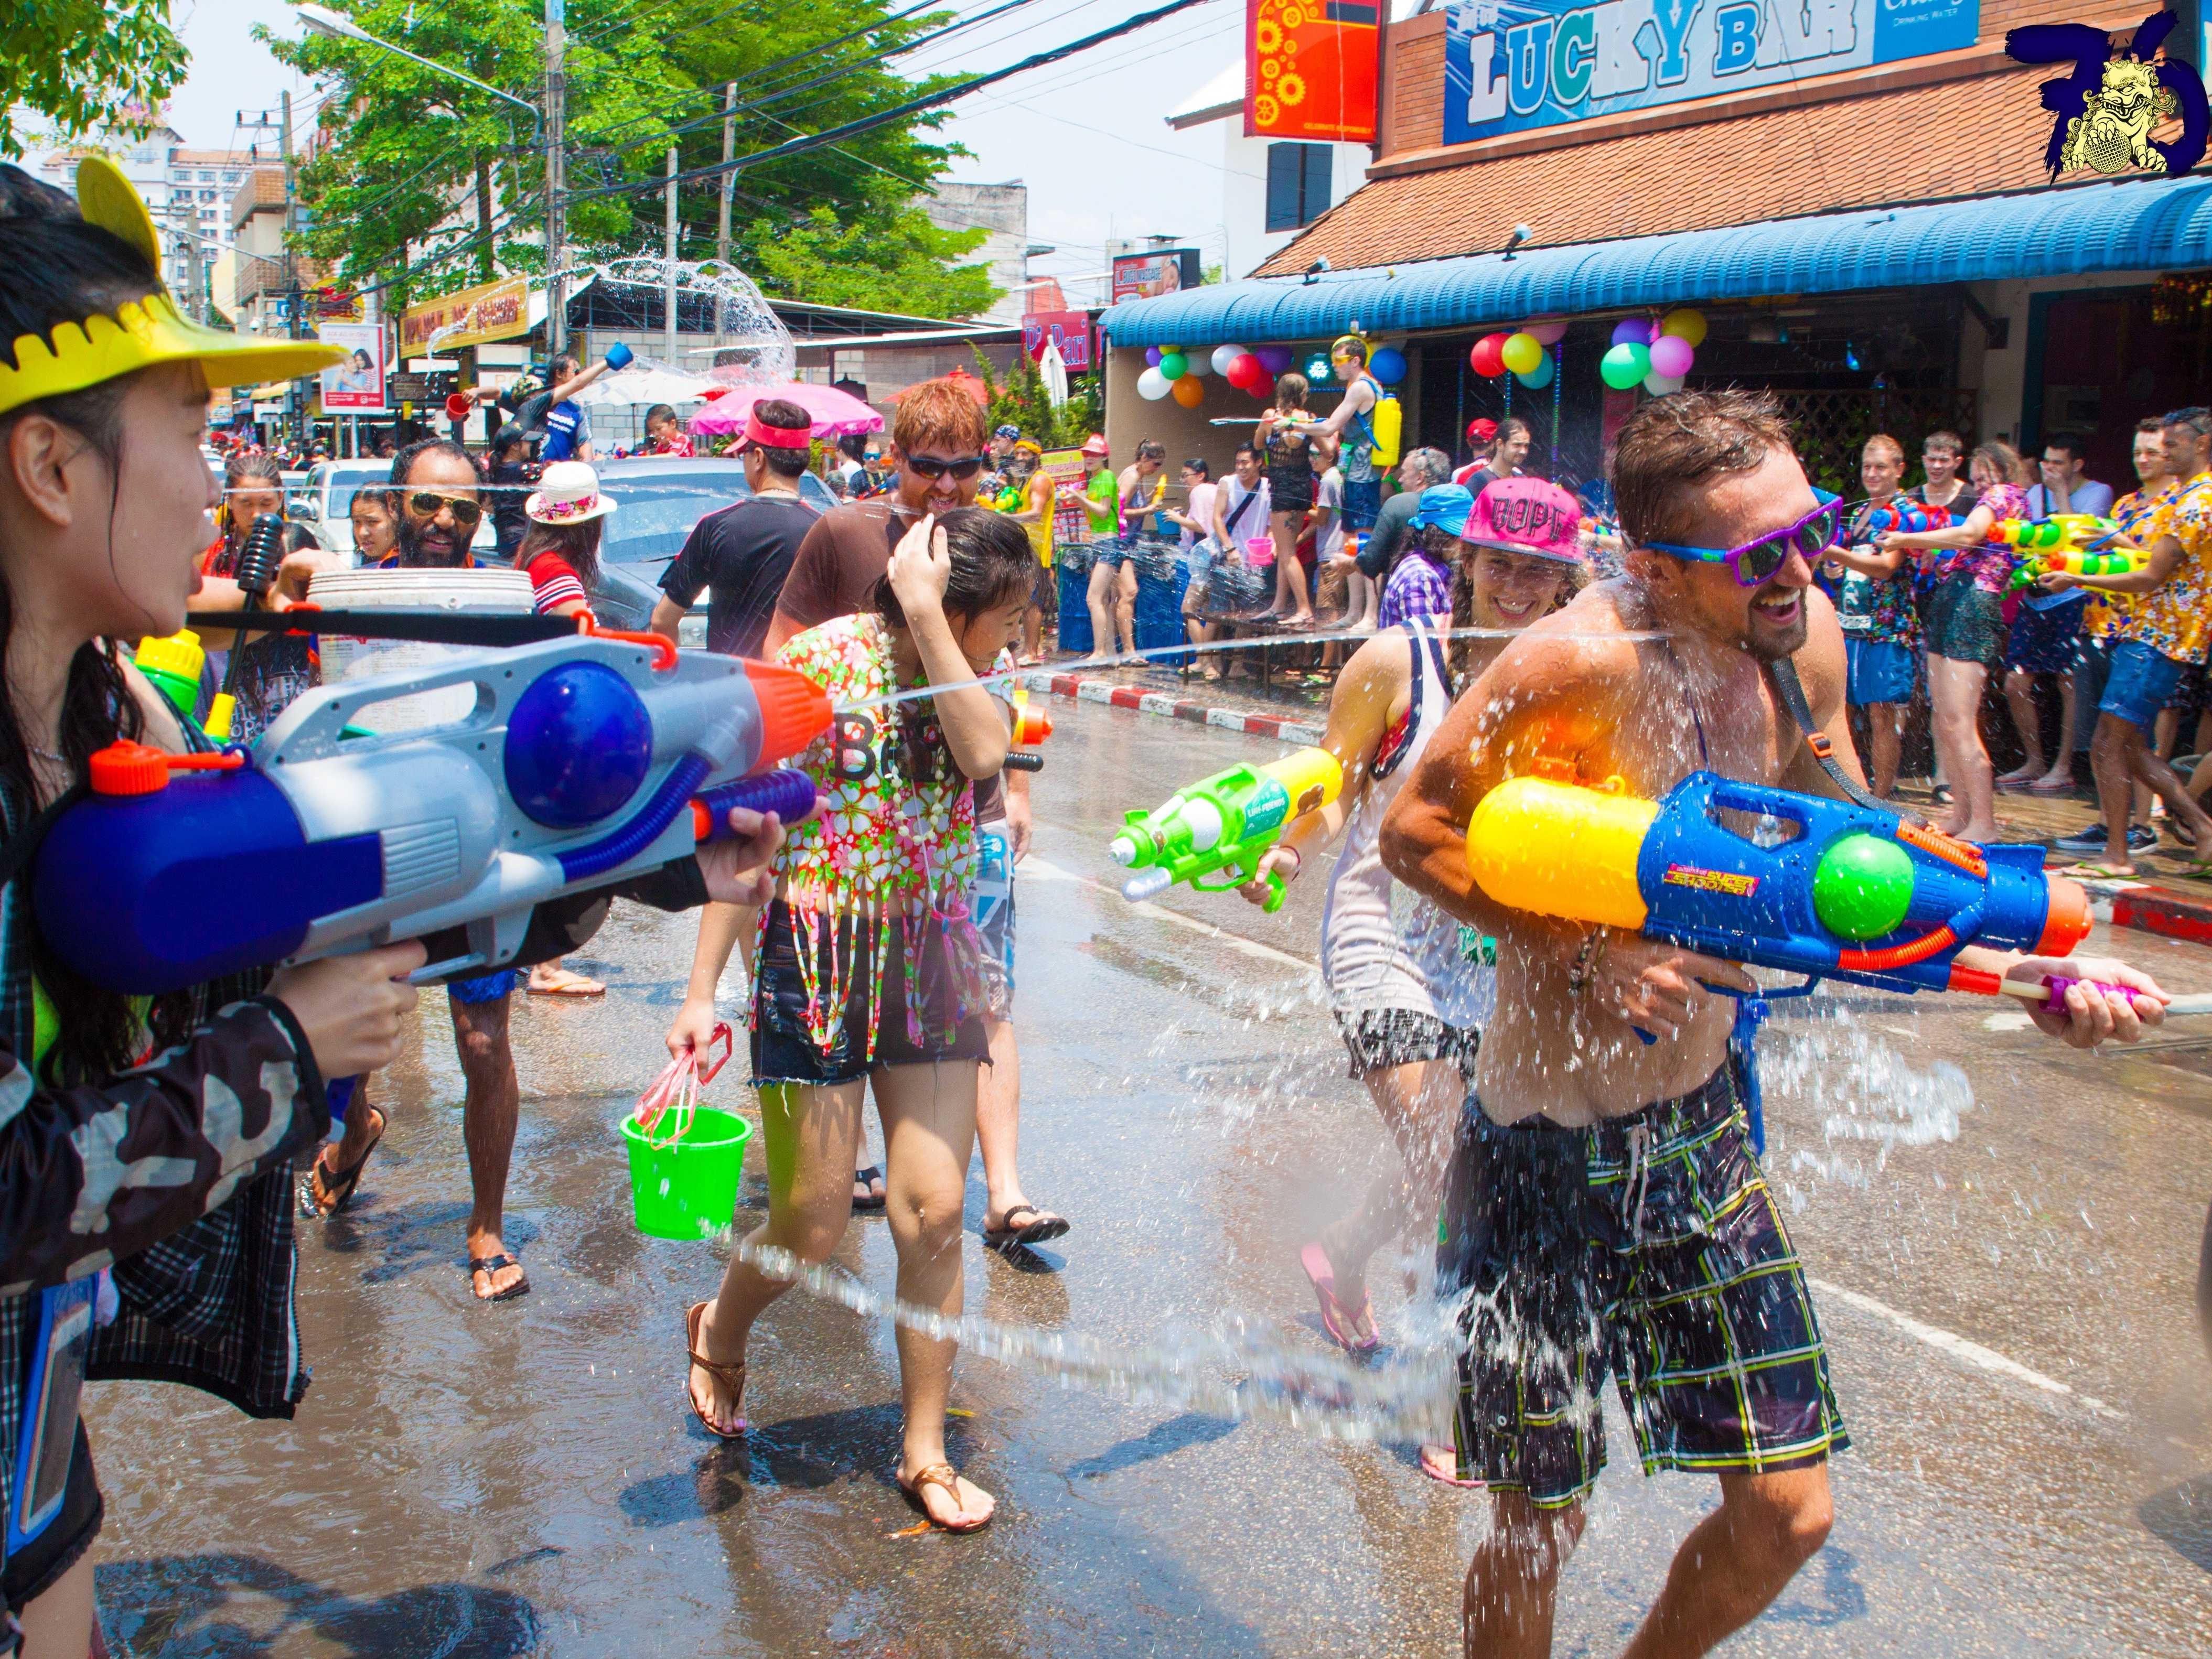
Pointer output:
1511, 67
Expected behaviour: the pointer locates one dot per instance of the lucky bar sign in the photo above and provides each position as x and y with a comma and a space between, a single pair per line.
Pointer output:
1508, 68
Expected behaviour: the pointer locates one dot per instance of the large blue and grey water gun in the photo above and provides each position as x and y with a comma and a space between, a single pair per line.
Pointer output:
586, 760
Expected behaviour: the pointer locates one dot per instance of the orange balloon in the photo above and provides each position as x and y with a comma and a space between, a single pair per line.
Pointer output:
1189, 390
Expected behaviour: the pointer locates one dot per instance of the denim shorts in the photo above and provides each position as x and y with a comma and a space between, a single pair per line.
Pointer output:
995, 914
1880, 670
917, 1016
1112, 550
2042, 641
2139, 684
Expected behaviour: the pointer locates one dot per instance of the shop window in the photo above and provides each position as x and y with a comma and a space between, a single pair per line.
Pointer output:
1297, 185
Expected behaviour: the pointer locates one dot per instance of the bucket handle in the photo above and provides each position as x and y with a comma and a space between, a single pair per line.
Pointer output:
675, 1093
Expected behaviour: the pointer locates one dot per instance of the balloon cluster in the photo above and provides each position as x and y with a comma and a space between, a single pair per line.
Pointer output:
1525, 353
1174, 372
1657, 354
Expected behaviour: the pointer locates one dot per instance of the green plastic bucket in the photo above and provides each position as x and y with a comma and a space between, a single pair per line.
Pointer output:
687, 1188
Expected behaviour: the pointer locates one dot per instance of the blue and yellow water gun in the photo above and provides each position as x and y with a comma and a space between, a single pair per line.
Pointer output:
1855, 894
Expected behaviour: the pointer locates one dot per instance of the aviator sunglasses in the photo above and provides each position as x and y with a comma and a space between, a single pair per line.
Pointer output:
465, 511
1755, 561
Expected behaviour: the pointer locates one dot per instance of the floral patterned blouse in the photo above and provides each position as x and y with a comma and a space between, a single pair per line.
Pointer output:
1990, 565
2173, 619
895, 838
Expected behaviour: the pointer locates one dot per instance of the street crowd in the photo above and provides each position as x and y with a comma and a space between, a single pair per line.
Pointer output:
879, 933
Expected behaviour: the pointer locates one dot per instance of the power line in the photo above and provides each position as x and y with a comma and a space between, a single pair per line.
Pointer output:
900, 111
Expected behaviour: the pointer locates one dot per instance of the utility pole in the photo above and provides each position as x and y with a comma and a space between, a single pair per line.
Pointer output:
295, 396
669, 263
729, 180
556, 173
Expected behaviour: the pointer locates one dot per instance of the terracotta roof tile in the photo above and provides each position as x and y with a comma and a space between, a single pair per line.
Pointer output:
1956, 138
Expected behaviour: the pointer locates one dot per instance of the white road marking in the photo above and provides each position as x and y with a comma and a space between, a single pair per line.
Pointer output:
1048, 871
1957, 1347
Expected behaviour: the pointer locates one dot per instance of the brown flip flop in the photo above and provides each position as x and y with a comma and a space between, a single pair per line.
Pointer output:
947, 1479
730, 1375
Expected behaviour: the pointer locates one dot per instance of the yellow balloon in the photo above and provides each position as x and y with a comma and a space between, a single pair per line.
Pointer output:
1686, 324
1189, 390
1522, 353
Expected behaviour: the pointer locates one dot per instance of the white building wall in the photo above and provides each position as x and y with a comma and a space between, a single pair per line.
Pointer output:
1244, 194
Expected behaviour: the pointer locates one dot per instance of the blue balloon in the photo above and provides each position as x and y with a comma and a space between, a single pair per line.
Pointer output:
1632, 330
1152, 356
1387, 366
1539, 377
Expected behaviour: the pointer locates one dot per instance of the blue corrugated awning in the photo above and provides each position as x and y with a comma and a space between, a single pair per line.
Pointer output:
2144, 224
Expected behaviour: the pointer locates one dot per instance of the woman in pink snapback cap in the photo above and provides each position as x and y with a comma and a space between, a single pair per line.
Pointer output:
1411, 989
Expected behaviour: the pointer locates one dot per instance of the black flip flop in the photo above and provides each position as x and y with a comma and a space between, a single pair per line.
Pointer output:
489, 1265
865, 1178
339, 1186
1042, 1225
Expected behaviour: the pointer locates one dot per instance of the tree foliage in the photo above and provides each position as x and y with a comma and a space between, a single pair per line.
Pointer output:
1021, 401
402, 145
84, 66
895, 261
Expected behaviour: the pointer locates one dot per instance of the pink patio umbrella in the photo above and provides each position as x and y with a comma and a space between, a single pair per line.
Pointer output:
834, 413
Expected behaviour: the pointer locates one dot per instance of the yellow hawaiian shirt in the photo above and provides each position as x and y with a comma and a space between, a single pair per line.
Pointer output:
2174, 620
2102, 616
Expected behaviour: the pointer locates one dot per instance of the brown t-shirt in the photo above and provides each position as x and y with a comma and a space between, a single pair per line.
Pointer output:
843, 553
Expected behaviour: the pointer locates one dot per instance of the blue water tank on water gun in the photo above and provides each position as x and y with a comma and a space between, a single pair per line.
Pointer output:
584, 761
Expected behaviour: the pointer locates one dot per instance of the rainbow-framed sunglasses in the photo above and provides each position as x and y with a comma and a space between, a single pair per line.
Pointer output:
1755, 561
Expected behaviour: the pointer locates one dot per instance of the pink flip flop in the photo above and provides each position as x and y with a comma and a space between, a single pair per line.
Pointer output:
1440, 1464
1335, 1318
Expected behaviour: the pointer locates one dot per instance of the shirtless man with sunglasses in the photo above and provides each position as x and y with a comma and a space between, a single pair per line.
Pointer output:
1605, 1204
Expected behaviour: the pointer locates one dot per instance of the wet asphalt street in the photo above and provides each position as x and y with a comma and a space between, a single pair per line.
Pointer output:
2002, 1236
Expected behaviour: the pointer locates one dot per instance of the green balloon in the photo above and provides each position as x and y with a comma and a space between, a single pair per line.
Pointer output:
1863, 887
1625, 365
1173, 365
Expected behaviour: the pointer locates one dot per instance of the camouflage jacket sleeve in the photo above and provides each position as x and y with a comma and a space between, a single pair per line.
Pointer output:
91, 1175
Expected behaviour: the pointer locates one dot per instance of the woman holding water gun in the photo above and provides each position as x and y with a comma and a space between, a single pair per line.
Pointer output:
1965, 630
1410, 987
103, 502
869, 968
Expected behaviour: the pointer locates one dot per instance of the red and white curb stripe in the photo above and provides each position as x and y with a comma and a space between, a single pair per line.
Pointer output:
1174, 707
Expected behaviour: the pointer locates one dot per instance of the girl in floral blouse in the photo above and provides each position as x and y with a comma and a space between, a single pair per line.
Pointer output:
1965, 630
869, 966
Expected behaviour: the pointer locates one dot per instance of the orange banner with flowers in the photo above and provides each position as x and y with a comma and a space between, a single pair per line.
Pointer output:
1309, 68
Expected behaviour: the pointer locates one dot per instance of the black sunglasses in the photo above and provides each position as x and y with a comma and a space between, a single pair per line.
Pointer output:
934, 466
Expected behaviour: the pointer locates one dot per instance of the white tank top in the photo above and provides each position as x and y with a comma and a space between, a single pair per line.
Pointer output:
1382, 946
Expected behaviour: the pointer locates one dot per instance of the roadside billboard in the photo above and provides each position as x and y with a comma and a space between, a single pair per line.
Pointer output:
355, 386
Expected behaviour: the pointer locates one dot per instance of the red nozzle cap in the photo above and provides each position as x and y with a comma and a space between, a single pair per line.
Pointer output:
2066, 923
125, 768
1032, 725
794, 711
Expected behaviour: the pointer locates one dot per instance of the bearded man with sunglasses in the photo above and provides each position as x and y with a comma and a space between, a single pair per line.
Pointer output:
1605, 1208
436, 502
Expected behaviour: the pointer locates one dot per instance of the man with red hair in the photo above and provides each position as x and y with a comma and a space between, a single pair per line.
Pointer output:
938, 453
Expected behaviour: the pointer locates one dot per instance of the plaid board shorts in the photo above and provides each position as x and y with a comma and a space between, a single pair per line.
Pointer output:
1646, 1246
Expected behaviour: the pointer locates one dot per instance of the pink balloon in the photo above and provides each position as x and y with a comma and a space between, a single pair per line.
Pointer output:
1671, 356
1546, 333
